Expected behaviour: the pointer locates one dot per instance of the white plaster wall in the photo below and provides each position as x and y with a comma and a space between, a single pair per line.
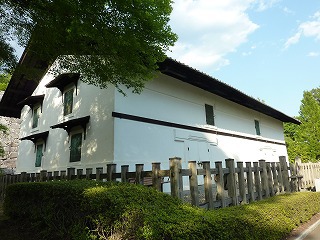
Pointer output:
97, 148
128, 142
171, 100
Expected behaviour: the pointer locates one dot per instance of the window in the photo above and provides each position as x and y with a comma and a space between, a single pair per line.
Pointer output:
257, 126
209, 114
35, 117
39, 155
75, 147
68, 102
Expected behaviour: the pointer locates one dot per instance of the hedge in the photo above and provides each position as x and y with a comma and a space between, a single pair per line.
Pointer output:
82, 209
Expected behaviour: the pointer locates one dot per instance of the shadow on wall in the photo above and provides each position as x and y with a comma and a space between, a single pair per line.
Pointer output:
95, 144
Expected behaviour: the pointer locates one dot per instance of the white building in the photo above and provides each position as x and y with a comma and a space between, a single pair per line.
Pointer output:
183, 112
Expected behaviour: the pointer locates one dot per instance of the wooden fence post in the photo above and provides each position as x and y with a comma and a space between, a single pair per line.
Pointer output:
79, 173
111, 168
88, 173
242, 186
275, 178
311, 175
49, 175
270, 182
156, 180
250, 182
43, 175
23, 177
193, 181
284, 171
1, 187
36, 177
208, 184
231, 181
264, 178
176, 185
55, 175
99, 171
124, 170
32, 177
63, 174
257, 181
280, 178
307, 175
220, 184
293, 177
139, 178
70, 172
299, 168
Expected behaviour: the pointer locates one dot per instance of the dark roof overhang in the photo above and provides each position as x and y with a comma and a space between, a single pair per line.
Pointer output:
68, 125
31, 101
198, 79
37, 136
23, 82
63, 80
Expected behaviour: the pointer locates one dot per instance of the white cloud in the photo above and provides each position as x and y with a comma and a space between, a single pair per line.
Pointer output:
265, 4
306, 29
293, 40
245, 54
313, 54
288, 11
209, 30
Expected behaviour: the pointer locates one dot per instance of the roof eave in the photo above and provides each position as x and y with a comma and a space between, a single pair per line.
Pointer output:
192, 76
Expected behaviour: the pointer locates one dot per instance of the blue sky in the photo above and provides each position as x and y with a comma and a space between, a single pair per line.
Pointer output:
267, 49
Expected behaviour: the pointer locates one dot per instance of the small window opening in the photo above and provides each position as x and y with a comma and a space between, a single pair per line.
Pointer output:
257, 126
209, 114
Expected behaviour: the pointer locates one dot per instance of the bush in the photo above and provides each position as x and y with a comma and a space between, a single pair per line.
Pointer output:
95, 210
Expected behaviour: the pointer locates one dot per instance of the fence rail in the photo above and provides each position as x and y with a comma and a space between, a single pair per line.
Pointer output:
210, 187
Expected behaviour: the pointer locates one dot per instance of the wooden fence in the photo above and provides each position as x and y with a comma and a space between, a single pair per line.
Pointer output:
207, 186
309, 171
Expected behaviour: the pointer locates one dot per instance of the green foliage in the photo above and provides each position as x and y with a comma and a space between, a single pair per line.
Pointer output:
8, 60
96, 210
109, 41
3, 129
303, 140
4, 81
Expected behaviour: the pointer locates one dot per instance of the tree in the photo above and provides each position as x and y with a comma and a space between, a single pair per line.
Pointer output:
4, 81
109, 41
8, 60
304, 140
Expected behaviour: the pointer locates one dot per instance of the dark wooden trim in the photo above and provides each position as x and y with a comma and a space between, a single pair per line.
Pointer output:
68, 125
186, 127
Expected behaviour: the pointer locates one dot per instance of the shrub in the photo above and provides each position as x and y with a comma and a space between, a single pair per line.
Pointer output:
95, 210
